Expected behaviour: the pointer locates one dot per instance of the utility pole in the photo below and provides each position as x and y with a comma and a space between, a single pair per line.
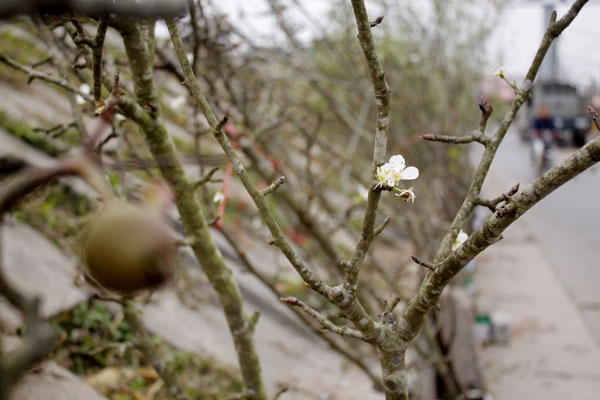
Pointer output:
549, 68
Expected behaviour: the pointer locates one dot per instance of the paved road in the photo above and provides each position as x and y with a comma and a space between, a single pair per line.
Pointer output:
566, 226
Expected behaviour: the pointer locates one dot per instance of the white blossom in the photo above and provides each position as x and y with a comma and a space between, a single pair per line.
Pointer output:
394, 171
460, 239
218, 197
84, 88
386, 176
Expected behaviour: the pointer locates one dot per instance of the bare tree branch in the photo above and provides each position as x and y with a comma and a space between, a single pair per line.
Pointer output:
490, 232
324, 322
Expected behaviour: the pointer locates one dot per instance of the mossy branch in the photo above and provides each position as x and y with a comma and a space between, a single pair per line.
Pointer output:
192, 216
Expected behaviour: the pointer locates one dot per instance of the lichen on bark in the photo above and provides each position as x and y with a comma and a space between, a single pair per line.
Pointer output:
145, 111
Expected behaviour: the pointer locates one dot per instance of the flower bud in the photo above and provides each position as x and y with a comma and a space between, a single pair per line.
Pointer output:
128, 249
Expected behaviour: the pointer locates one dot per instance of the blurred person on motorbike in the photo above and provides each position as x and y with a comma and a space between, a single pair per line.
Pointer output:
543, 134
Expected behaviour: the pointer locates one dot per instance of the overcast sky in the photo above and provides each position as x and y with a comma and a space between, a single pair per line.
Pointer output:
520, 32
513, 43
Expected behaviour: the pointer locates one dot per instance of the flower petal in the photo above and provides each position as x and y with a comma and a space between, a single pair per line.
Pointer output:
410, 173
397, 162
218, 197
407, 195
386, 176
460, 239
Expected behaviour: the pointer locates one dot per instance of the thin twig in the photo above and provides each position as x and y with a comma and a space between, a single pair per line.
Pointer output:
206, 178
57, 58
422, 263
323, 321
273, 186
33, 74
379, 228
112, 135
473, 137
57, 130
376, 21
390, 305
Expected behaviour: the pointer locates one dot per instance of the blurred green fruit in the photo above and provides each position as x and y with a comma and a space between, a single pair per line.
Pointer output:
128, 249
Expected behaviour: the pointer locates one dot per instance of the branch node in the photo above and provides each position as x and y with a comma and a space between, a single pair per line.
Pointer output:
493, 203
389, 319
489, 204
505, 211
221, 123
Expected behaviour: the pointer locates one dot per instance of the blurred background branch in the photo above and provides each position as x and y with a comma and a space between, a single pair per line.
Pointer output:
94, 8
